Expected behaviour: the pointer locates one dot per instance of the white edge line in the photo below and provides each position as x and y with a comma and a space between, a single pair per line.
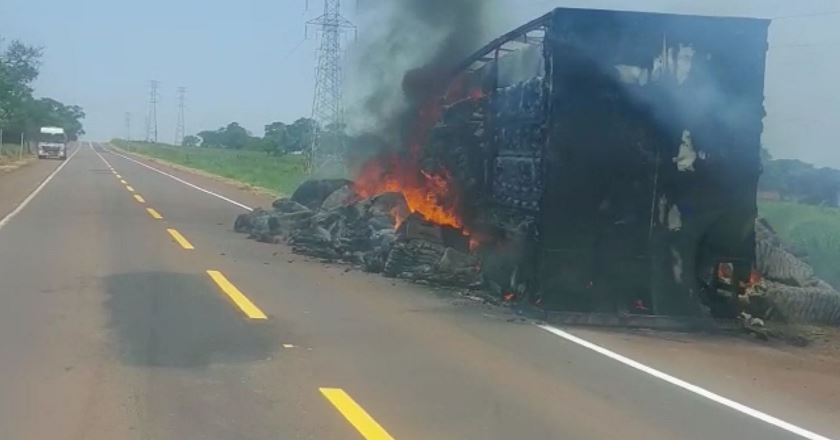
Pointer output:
802, 432
35, 192
100, 156
206, 191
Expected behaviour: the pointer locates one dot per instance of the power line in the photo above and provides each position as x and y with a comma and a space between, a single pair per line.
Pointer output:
807, 15
817, 45
151, 122
293, 50
180, 130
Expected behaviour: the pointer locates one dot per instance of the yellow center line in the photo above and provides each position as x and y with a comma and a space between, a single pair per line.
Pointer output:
180, 239
355, 414
155, 215
129, 188
123, 182
139, 199
242, 301
118, 176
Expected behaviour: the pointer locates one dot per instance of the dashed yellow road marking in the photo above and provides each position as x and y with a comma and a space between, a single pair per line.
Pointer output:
355, 414
242, 301
129, 188
123, 182
180, 239
155, 215
118, 176
139, 198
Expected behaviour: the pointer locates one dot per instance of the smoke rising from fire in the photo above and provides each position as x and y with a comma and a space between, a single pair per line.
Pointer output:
401, 62
405, 50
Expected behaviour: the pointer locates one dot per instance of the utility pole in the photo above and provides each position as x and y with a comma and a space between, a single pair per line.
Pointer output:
151, 124
180, 130
128, 126
327, 108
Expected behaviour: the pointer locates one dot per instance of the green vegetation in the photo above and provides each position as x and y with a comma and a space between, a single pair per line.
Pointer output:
12, 152
812, 229
278, 174
20, 112
279, 139
795, 180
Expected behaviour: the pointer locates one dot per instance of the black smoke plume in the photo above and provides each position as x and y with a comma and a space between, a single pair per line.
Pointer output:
403, 56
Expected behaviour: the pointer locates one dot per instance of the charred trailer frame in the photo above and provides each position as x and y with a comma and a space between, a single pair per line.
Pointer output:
618, 153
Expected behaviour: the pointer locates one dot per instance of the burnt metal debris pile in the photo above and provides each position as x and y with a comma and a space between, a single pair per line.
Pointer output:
326, 219
788, 289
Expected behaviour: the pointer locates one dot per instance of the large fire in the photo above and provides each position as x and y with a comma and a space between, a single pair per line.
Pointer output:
431, 195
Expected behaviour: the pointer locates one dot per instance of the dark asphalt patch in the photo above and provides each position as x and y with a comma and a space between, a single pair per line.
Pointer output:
177, 320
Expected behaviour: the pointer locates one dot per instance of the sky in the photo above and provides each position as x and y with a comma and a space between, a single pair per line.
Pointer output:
250, 61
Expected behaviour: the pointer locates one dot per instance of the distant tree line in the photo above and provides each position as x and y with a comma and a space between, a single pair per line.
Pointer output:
278, 139
20, 111
799, 181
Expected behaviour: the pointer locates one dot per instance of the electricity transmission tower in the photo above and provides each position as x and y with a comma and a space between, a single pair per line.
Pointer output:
151, 122
327, 108
128, 126
179, 125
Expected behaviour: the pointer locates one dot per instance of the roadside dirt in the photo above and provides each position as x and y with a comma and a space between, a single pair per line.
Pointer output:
7, 165
17, 180
742, 368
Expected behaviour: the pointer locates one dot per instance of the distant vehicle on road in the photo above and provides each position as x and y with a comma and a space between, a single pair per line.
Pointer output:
52, 142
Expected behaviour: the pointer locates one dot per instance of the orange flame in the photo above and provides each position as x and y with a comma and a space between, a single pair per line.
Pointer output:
429, 194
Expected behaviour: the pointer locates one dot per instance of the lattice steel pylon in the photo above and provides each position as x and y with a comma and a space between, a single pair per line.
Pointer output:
327, 108
151, 121
128, 126
180, 128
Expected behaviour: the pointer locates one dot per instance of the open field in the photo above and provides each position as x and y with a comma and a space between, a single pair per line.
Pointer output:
814, 230
277, 174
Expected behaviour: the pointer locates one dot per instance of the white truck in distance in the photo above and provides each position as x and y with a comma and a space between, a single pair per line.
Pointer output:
52, 142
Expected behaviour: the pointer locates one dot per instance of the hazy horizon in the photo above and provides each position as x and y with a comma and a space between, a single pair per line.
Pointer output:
250, 63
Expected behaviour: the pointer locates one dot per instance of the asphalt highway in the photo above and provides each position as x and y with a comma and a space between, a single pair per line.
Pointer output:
131, 310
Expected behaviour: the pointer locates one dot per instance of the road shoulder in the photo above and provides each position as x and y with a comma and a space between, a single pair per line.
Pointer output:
17, 183
259, 196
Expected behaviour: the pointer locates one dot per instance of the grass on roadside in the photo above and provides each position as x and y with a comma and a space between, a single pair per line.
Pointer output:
813, 229
11, 153
278, 174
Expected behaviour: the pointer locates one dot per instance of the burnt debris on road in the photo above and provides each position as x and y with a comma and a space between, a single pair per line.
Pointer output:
590, 161
367, 232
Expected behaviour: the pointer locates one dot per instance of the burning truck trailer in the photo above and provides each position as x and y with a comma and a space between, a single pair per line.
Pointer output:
614, 156
590, 160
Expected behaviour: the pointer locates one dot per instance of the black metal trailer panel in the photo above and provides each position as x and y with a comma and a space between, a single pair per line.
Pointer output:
630, 141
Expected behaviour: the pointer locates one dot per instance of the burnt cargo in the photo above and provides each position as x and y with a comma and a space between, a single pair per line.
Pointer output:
617, 153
